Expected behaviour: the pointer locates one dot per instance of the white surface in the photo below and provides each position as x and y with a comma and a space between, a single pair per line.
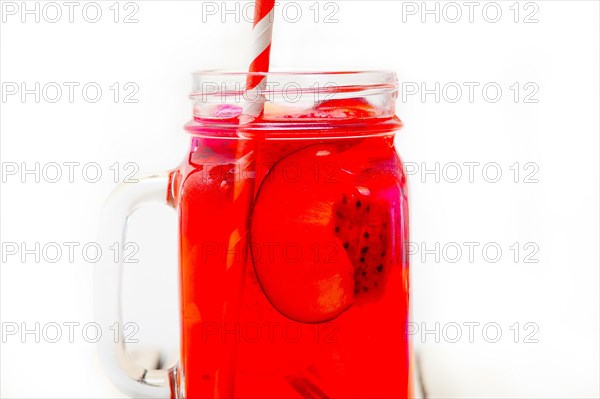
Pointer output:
560, 54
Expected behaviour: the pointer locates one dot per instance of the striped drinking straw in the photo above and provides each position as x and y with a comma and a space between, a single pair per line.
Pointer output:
262, 33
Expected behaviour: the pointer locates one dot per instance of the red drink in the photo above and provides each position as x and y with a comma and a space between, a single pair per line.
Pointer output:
293, 228
294, 278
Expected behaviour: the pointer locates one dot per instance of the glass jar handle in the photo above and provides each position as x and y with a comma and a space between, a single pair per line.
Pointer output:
123, 372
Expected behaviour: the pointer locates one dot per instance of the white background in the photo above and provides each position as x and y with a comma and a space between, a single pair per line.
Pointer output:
558, 54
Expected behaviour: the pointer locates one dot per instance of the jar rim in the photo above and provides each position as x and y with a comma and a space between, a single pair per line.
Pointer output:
385, 79
306, 101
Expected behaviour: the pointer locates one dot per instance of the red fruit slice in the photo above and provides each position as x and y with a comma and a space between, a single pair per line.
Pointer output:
319, 241
363, 225
300, 264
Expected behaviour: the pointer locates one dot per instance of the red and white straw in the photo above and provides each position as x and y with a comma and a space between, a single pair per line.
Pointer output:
262, 33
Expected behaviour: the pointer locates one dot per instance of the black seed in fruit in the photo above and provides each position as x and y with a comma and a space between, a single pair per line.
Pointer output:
364, 274
362, 258
379, 268
364, 250
366, 235
346, 245
358, 204
337, 229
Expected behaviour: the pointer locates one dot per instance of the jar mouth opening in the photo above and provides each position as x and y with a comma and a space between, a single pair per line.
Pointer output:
217, 83
293, 101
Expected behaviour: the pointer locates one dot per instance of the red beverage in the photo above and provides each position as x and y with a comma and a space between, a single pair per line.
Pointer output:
294, 276
293, 228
